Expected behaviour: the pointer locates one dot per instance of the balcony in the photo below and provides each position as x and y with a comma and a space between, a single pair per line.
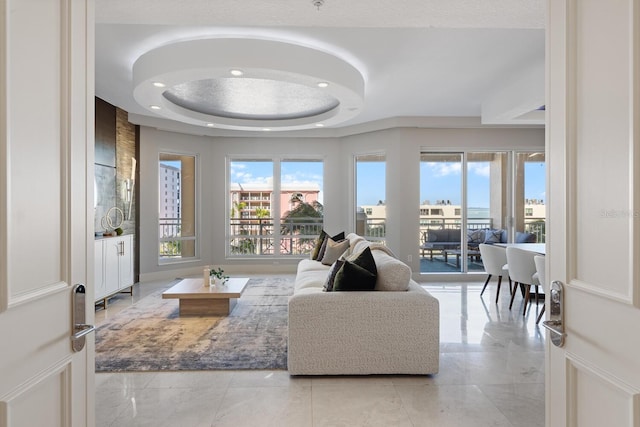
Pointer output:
255, 236
452, 260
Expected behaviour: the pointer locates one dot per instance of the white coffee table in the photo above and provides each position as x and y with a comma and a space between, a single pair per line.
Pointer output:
195, 299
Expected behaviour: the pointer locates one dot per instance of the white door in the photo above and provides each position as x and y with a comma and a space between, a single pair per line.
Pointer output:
593, 152
46, 240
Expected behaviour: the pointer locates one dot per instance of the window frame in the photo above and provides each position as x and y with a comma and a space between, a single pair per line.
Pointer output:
276, 190
196, 209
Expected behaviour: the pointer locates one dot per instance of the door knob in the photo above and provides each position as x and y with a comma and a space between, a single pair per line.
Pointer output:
555, 324
80, 328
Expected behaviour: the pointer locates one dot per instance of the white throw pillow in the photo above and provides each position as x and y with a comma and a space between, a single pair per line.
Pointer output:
334, 250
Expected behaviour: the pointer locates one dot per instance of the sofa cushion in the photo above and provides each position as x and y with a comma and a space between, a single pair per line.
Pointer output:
334, 250
432, 236
475, 236
331, 276
352, 277
311, 278
319, 241
525, 237
492, 236
393, 274
358, 248
354, 238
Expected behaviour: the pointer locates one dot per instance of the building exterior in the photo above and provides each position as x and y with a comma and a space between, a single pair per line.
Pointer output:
169, 191
256, 200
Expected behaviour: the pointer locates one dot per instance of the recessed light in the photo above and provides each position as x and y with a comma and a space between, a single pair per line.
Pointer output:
236, 73
319, 125
210, 125
323, 84
159, 84
154, 107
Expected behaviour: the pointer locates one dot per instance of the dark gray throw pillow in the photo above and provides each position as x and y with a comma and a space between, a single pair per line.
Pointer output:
365, 260
316, 250
331, 276
352, 277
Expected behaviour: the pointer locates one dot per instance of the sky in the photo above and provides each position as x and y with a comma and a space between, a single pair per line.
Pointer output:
443, 180
438, 180
291, 173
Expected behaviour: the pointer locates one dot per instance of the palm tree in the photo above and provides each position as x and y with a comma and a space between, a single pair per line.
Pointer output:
304, 219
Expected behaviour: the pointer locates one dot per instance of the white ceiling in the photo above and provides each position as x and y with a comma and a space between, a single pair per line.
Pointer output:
470, 61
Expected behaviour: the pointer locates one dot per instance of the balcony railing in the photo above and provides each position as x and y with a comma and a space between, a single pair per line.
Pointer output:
537, 227
375, 229
173, 244
532, 225
256, 236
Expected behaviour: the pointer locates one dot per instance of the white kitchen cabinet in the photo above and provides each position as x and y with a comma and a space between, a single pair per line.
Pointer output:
114, 266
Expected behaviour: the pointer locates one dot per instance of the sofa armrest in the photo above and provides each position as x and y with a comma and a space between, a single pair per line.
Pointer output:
359, 333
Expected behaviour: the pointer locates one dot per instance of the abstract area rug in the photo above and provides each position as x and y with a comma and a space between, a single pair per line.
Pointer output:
151, 336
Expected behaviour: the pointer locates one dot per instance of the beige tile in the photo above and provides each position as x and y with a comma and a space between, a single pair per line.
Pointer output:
265, 407
491, 374
192, 379
450, 406
168, 407
358, 403
123, 380
267, 379
522, 404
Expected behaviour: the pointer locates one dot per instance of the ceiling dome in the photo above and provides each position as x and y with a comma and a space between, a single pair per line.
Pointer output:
247, 84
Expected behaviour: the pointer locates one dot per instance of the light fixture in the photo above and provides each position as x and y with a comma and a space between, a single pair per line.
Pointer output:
319, 125
266, 129
210, 125
317, 3
159, 84
285, 95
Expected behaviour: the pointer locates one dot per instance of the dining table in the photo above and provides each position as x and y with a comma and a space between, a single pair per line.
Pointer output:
539, 248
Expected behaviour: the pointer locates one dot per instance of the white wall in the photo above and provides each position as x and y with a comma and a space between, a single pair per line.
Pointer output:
402, 147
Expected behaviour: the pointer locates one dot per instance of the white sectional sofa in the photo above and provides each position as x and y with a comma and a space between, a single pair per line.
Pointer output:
383, 331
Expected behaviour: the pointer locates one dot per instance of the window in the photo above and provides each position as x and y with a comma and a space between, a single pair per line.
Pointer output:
177, 219
275, 206
529, 194
371, 209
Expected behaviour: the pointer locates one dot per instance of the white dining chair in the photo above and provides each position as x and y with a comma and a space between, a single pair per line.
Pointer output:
494, 259
542, 278
522, 269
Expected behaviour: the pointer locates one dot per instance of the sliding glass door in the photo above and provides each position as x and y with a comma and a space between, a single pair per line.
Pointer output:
441, 233
487, 203
470, 198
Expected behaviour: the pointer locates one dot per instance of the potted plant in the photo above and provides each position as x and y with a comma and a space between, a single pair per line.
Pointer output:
217, 276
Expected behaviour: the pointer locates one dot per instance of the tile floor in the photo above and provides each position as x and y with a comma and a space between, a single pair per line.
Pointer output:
491, 374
